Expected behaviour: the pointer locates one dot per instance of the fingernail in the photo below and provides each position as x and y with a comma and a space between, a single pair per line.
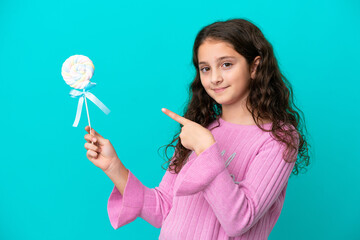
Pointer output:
163, 109
94, 139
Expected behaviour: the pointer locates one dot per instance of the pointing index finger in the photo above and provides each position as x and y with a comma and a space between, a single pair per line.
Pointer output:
175, 116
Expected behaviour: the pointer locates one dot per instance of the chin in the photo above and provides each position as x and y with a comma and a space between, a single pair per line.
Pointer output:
221, 101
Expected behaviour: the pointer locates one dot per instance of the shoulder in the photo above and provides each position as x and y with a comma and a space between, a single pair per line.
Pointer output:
286, 132
292, 133
288, 142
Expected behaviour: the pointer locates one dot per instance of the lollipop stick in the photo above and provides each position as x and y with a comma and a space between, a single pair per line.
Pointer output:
87, 112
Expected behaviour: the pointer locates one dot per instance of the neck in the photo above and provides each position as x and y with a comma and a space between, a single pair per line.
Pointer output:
239, 115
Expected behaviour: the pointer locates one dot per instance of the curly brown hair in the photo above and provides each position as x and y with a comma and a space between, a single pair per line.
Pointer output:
270, 93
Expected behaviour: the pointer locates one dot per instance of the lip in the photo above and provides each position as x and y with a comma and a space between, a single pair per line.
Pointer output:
217, 90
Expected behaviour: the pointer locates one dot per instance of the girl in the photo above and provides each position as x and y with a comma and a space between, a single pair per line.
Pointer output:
238, 144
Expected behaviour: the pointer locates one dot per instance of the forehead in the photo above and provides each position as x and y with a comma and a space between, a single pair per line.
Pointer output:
210, 50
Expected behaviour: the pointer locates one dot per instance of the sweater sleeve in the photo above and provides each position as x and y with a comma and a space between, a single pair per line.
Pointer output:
151, 204
238, 206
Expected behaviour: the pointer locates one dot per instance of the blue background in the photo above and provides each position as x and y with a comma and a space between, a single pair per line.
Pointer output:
142, 57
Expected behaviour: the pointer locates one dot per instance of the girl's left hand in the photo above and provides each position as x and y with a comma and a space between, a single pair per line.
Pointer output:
193, 136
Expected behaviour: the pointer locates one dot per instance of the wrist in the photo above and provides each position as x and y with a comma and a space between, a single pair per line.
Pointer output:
118, 174
115, 168
202, 148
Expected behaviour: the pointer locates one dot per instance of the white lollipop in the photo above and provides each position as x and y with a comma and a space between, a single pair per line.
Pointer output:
77, 71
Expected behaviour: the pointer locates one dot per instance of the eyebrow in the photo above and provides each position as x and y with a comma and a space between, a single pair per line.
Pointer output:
219, 59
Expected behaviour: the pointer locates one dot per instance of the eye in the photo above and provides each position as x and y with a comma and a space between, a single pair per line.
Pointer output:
229, 64
203, 69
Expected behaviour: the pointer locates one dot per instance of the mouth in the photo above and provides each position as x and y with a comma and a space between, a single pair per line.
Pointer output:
217, 90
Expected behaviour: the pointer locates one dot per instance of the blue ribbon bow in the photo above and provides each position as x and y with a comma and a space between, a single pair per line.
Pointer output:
86, 94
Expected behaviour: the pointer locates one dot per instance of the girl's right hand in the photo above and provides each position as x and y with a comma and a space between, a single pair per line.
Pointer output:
101, 152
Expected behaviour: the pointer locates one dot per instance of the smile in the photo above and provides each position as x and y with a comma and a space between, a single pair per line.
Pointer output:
220, 89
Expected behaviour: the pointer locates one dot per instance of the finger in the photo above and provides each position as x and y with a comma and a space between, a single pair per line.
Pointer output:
92, 147
98, 138
176, 117
93, 132
92, 159
92, 154
90, 138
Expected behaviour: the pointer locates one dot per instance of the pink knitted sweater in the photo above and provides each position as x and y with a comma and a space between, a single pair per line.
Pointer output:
235, 189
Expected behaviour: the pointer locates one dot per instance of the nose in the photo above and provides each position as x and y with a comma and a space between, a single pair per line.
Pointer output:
216, 77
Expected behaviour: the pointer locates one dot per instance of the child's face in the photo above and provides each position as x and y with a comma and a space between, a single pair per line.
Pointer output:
231, 73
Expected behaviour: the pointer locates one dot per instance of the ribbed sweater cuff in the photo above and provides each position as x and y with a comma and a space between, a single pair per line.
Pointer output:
123, 209
200, 172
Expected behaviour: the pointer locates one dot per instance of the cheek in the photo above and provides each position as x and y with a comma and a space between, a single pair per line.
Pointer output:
237, 76
206, 85
204, 82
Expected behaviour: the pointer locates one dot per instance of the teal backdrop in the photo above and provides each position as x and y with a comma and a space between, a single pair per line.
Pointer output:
142, 56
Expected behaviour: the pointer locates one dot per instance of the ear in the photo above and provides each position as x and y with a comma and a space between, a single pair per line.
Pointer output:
254, 66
